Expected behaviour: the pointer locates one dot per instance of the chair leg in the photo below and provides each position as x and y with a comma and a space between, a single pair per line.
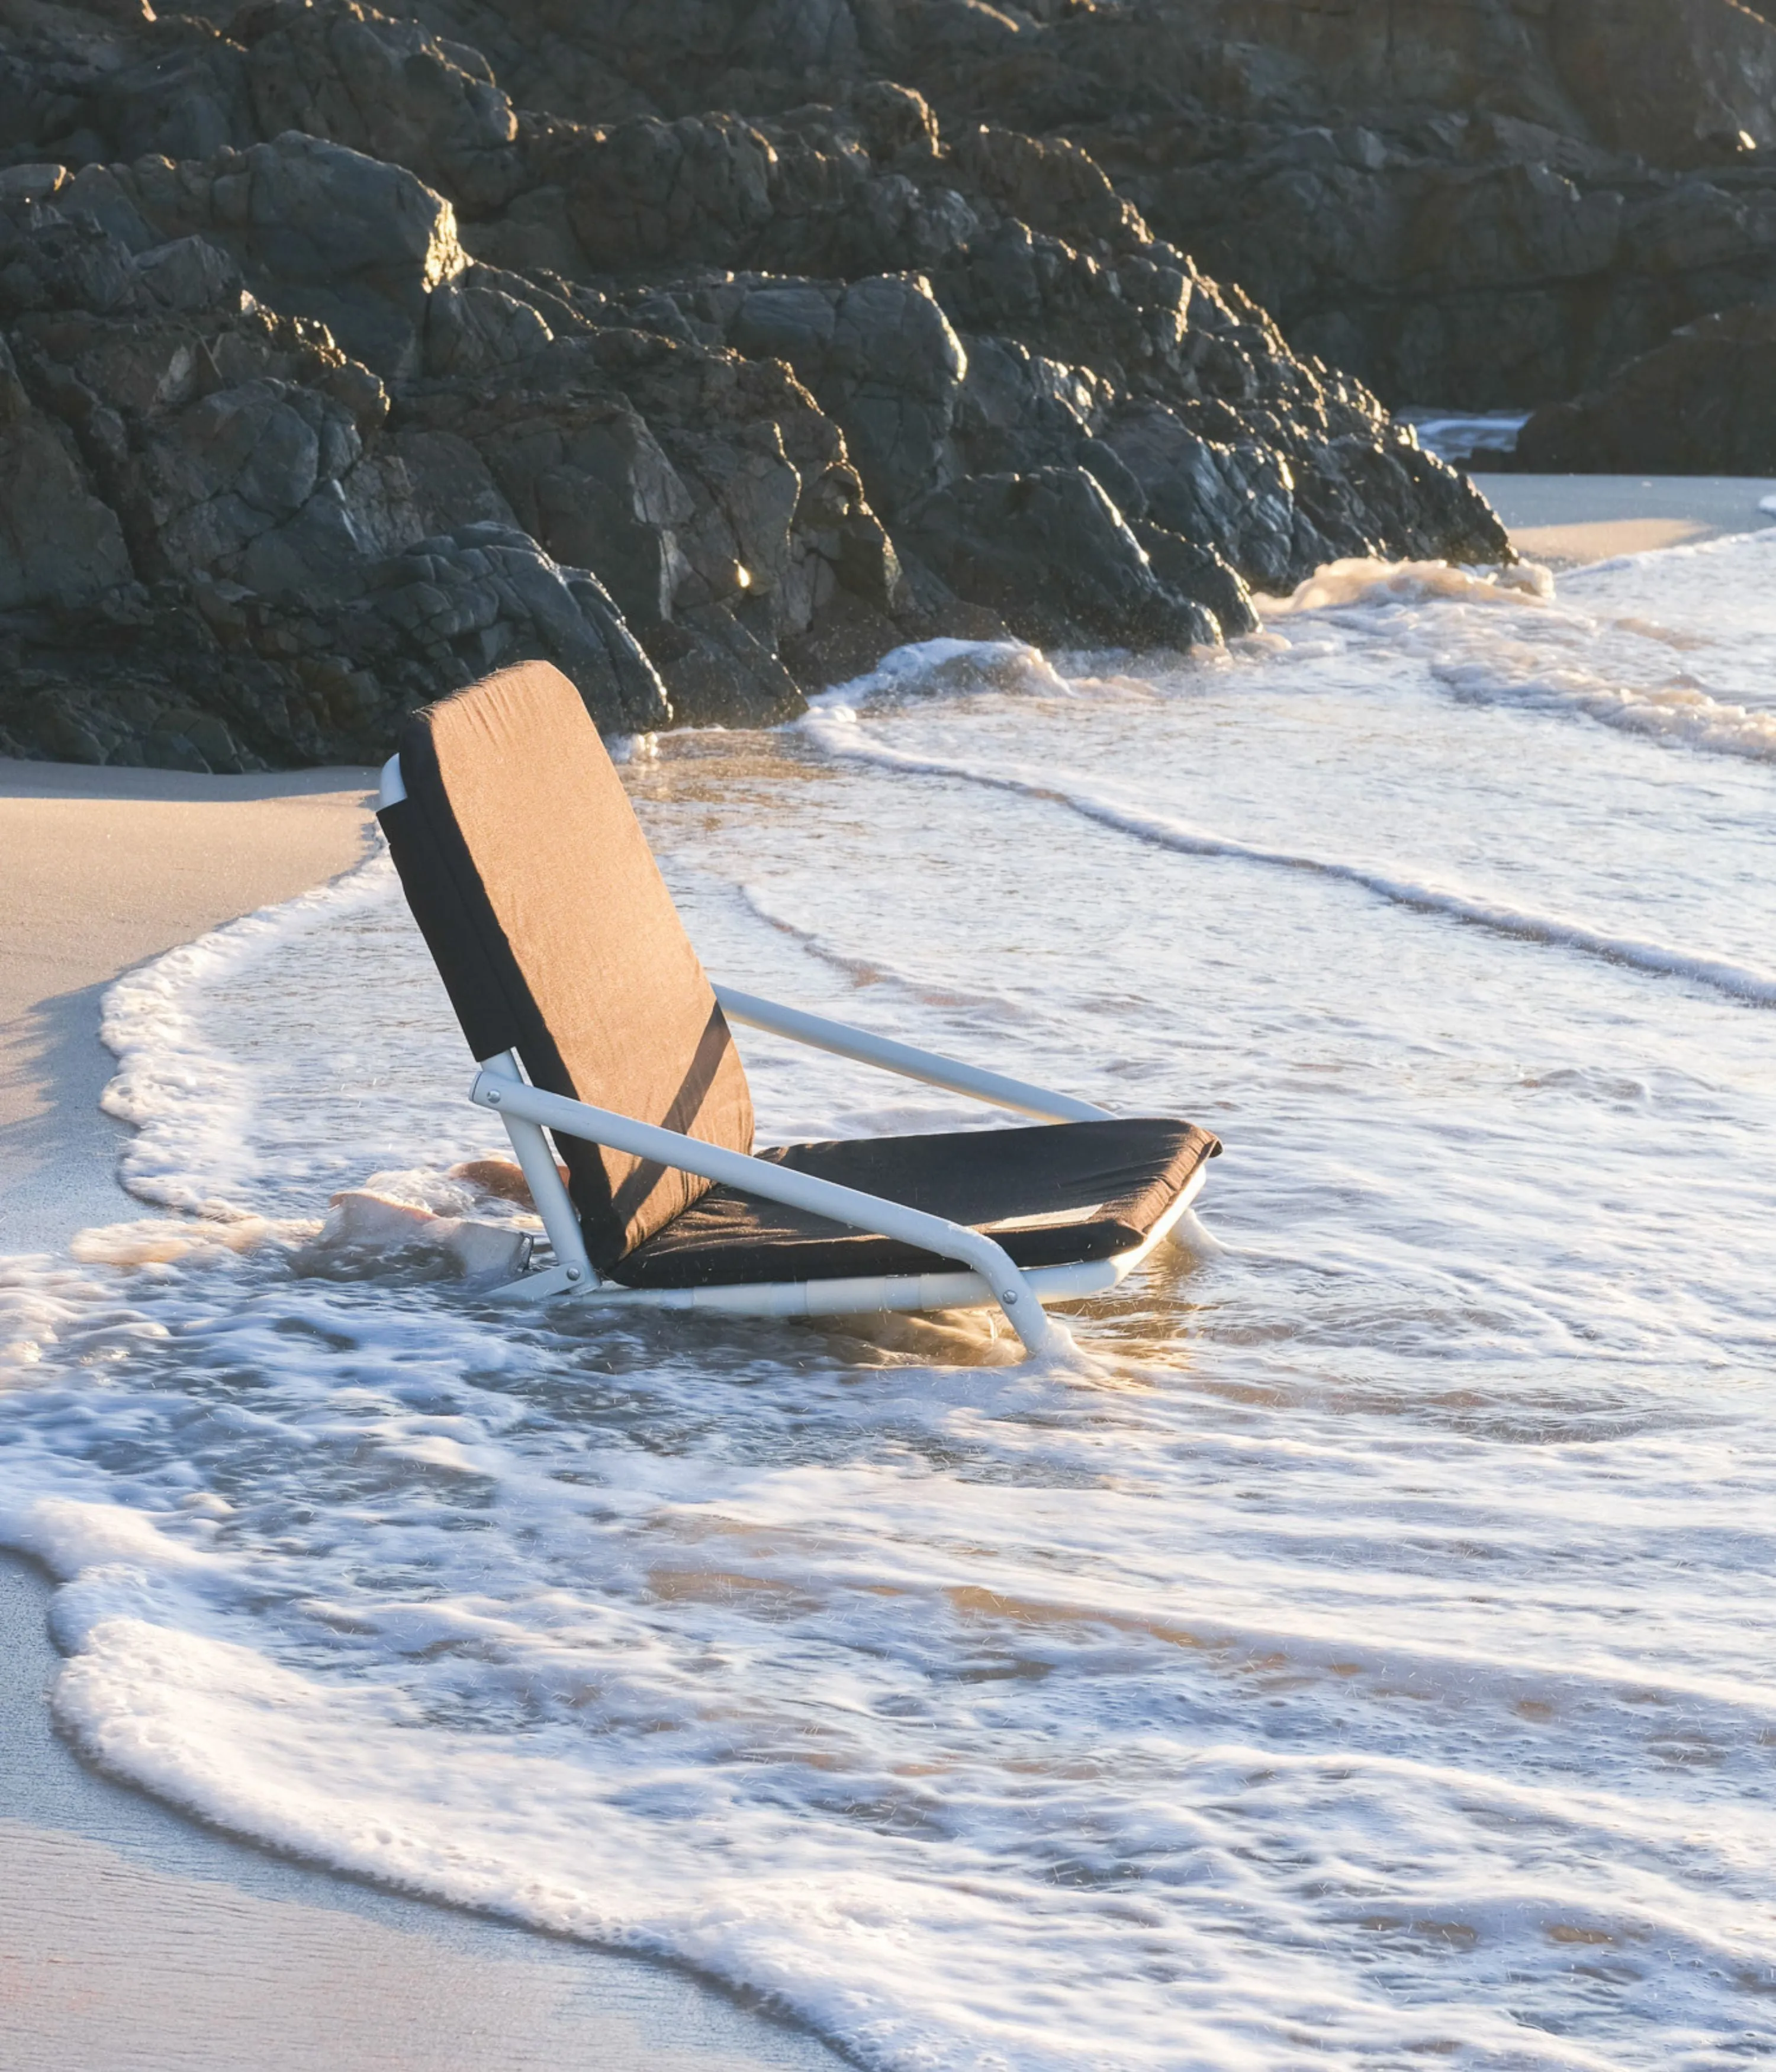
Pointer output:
536, 1161
1039, 1332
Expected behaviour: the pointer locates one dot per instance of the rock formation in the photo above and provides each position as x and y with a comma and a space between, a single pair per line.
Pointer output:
1703, 403
345, 356
1486, 203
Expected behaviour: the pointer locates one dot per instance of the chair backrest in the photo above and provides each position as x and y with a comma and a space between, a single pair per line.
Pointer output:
556, 937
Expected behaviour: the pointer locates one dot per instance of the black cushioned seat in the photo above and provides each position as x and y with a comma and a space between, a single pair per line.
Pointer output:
1053, 1196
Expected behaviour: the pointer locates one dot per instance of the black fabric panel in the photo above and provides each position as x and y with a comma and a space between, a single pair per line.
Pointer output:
1128, 1171
480, 975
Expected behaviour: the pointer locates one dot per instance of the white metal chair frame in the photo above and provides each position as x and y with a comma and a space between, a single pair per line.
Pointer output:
988, 1278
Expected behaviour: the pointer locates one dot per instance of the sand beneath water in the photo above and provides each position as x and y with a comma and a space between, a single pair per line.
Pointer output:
129, 1937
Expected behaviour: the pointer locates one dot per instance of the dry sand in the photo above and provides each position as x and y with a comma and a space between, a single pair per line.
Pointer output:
101, 868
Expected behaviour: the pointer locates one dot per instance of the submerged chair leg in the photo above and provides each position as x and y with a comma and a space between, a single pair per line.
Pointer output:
573, 1270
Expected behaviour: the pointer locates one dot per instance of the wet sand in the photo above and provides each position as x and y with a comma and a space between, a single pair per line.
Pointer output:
131, 1938
1569, 520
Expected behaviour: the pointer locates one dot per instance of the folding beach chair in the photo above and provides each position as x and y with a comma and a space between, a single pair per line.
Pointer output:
593, 1021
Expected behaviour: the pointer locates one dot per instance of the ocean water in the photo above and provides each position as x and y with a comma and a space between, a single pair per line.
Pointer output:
1365, 1657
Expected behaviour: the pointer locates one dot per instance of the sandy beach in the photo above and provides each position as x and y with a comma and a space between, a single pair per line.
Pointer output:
104, 868
129, 1937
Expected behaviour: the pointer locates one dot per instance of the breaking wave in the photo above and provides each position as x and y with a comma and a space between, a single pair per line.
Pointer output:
1502, 636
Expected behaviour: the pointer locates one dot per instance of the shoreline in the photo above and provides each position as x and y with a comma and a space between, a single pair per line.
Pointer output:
130, 1934
1568, 521
122, 1918
126, 1924
106, 867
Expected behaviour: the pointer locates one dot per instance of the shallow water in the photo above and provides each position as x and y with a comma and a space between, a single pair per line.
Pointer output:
1370, 1660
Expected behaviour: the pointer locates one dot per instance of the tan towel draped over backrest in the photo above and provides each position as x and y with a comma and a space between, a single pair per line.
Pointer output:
556, 936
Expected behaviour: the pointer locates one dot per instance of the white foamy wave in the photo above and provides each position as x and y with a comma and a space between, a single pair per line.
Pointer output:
927, 668
1742, 981
933, 1881
47, 1309
1728, 547
1365, 582
1678, 710
190, 1107
1500, 637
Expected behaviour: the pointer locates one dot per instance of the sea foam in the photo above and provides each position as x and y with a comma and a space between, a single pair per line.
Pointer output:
1368, 1662
1504, 636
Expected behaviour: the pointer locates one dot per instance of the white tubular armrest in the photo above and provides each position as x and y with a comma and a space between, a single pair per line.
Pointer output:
778, 1183
839, 1037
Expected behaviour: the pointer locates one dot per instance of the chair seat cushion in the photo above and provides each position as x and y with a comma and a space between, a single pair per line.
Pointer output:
1053, 1196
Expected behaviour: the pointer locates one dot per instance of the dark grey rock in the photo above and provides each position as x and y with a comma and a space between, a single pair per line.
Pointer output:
385, 88
1703, 403
1201, 575
1496, 210
880, 356
325, 232
360, 354
60, 546
718, 673
486, 595
1051, 554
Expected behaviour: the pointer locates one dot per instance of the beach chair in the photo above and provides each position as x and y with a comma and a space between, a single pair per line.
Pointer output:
595, 1025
